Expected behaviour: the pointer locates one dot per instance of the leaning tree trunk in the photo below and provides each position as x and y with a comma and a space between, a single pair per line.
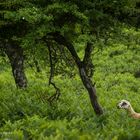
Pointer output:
83, 67
91, 90
16, 57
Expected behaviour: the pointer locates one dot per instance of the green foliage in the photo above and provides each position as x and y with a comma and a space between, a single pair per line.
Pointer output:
26, 114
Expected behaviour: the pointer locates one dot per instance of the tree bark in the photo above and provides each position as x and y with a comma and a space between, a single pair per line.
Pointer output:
16, 57
87, 82
91, 90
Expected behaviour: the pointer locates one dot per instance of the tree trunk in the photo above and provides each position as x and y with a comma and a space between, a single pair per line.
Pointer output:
91, 90
15, 55
83, 67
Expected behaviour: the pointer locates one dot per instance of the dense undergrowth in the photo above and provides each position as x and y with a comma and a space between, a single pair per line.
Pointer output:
26, 114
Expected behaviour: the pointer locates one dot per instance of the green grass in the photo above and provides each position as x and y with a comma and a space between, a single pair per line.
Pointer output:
26, 114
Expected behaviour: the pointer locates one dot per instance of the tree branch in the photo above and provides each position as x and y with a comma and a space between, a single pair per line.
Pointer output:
57, 94
87, 61
88, 51
63, 41
51, 64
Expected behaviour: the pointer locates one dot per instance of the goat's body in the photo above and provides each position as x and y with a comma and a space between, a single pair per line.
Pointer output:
136, 115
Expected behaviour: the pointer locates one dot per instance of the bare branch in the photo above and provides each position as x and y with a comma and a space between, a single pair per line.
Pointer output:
51, 64
57, 94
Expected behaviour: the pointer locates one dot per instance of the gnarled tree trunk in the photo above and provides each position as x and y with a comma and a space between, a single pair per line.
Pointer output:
16, 57
91, 90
